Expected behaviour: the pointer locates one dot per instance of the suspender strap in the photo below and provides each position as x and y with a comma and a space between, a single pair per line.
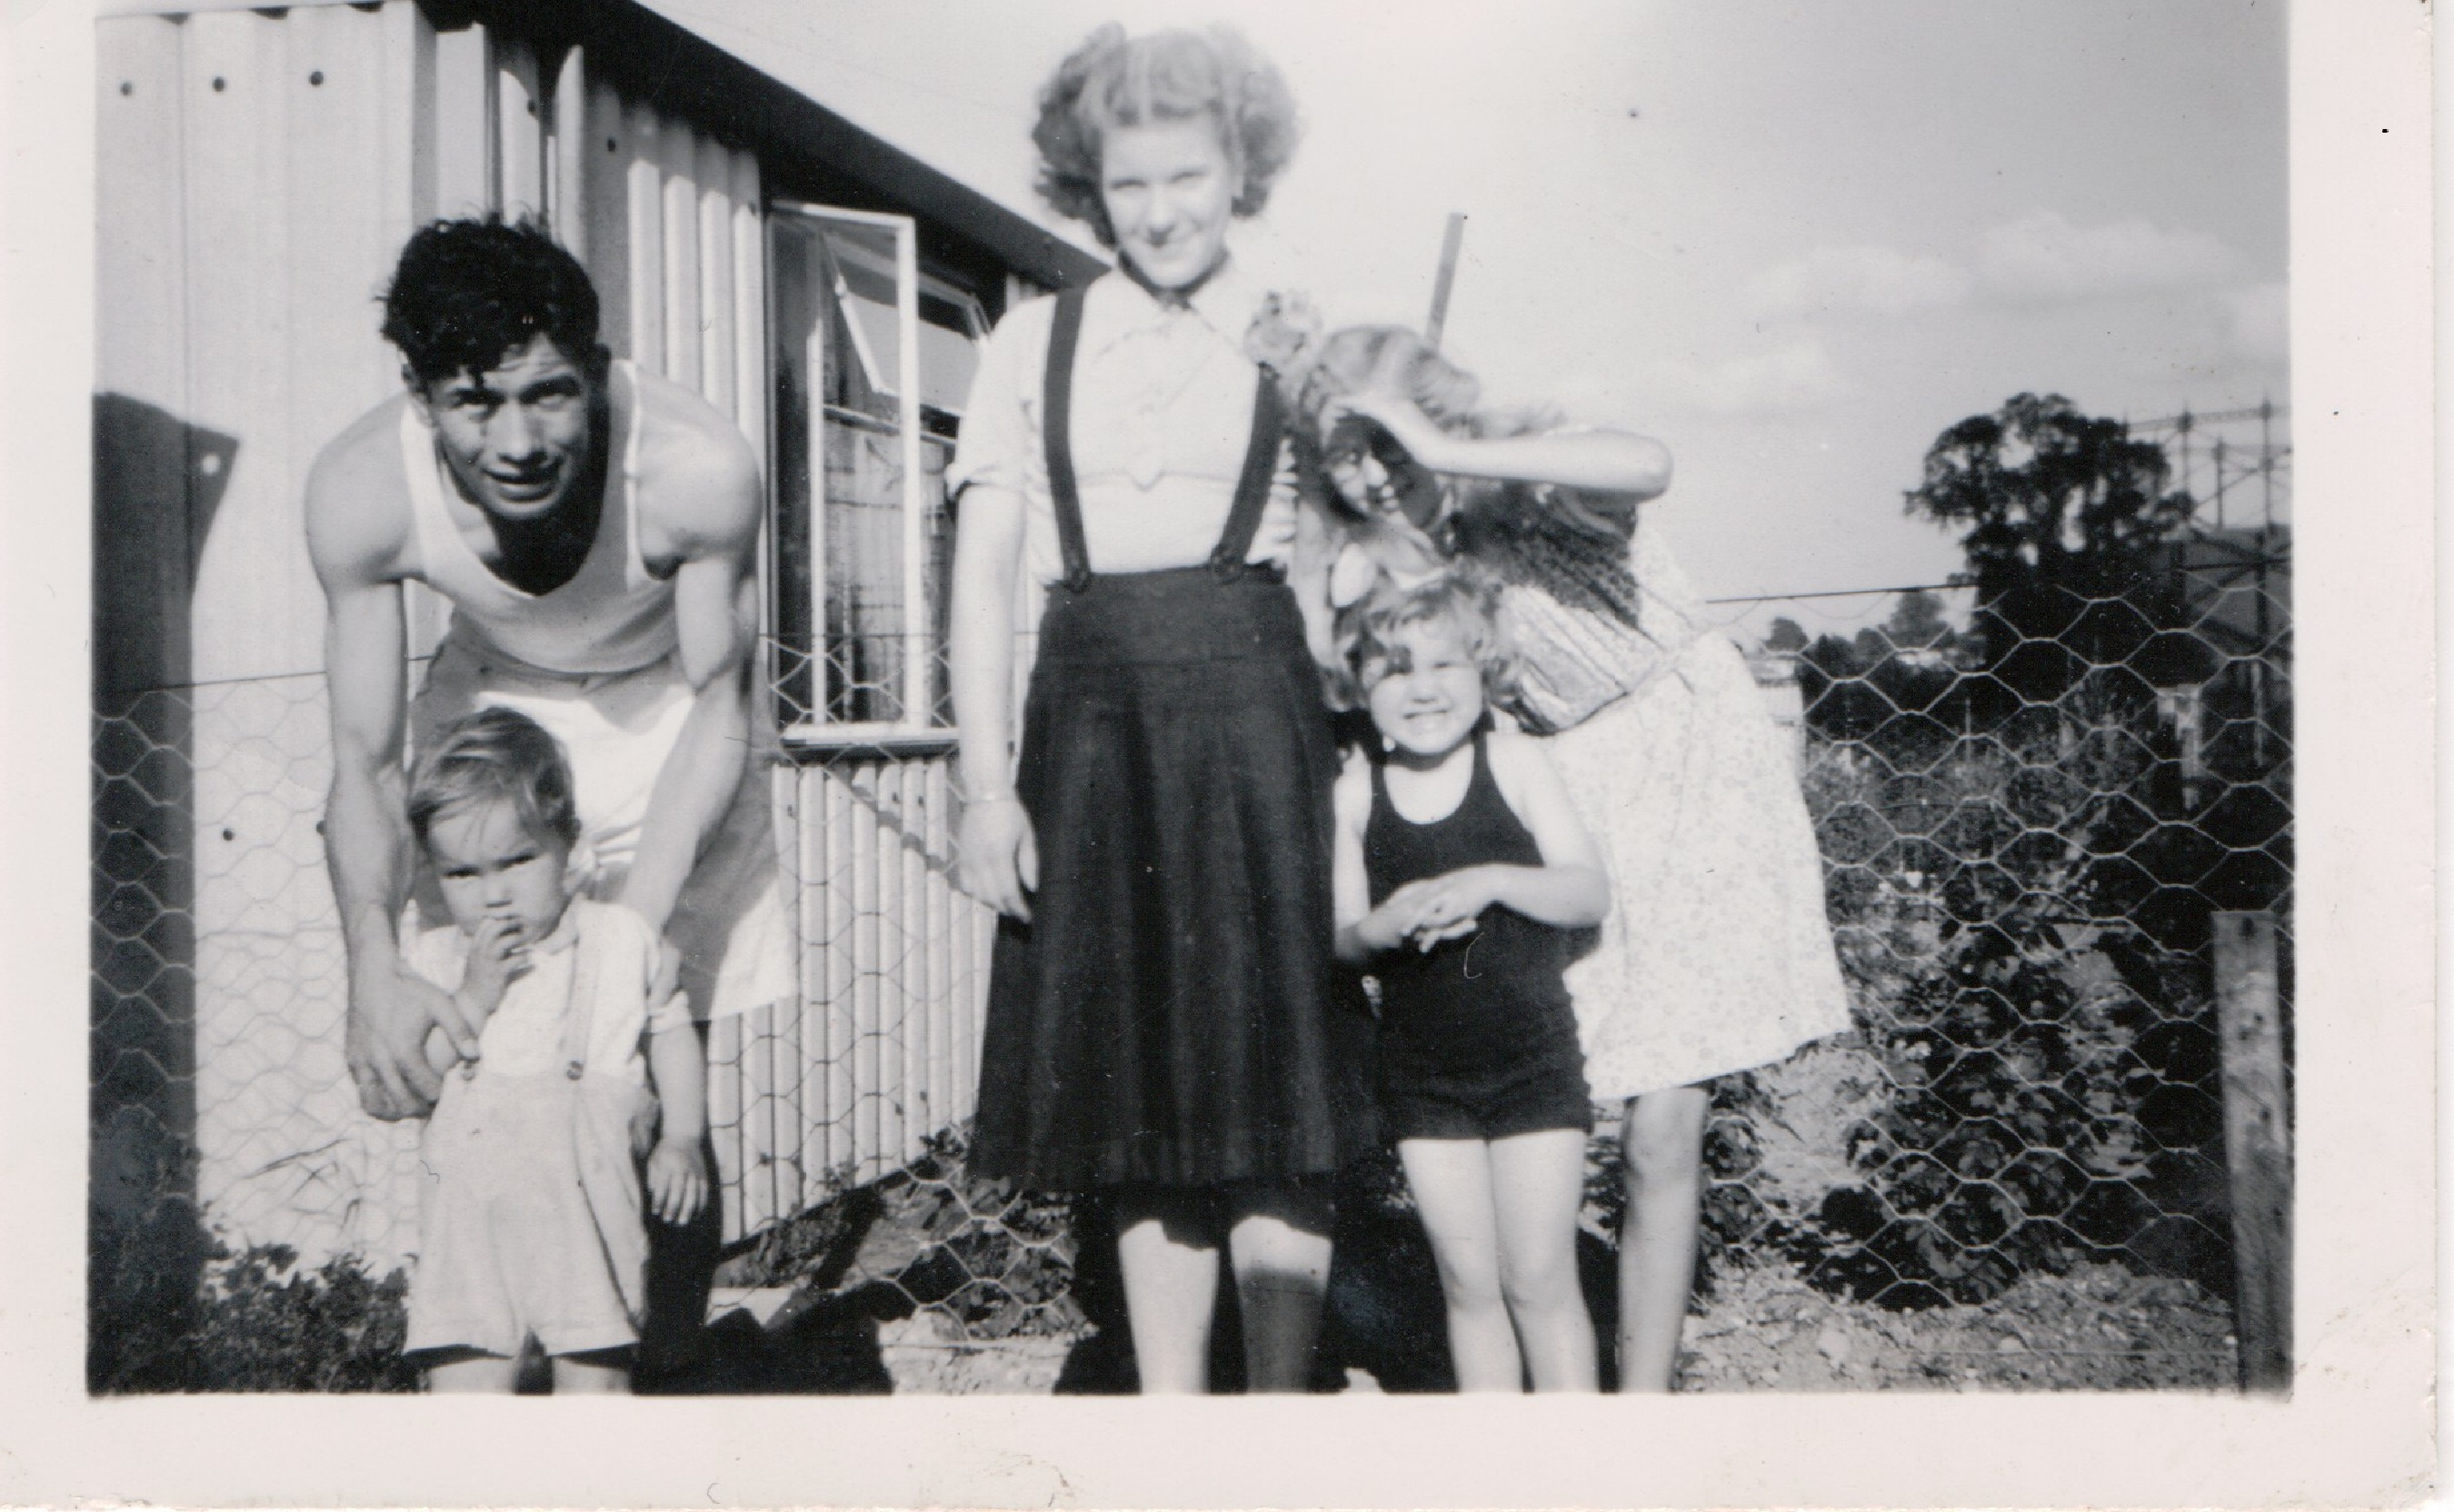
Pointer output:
1056, 417
1253, 486
579, 1010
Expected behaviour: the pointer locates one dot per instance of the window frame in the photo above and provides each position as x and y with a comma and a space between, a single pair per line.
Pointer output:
916, 734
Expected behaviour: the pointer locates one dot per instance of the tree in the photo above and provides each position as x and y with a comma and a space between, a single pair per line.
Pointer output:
1917, 622
2065, 520
2044, 494
1785, 637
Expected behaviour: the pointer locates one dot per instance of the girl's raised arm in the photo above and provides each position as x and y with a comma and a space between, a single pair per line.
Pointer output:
1606, 460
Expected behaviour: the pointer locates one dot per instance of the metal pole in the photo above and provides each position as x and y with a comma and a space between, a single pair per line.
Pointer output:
2266, 470
1450, 240
2183, 443
2219, 483
2265, 543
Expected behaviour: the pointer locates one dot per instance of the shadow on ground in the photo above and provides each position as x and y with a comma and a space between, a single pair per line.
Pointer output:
1384, 1316
829, 1347
823, 1341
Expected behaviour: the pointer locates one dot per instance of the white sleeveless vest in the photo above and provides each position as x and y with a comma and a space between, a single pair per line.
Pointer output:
610, 617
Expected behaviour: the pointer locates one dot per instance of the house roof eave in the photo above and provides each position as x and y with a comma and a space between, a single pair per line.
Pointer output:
678, 69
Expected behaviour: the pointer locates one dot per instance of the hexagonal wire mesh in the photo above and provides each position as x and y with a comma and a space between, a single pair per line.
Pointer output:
871, 1205
2027, 821
2025, 825
220, 1112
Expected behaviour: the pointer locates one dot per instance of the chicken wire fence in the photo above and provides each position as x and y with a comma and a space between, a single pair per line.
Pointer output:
2029, 812
2028, 828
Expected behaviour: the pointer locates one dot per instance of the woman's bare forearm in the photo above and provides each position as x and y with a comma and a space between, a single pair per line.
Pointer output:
1605, 461
980, 639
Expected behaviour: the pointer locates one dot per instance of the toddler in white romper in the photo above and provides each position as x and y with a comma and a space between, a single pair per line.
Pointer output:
532, 1218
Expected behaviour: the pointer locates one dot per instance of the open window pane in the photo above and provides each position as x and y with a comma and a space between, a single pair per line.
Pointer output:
951, 328
862, 548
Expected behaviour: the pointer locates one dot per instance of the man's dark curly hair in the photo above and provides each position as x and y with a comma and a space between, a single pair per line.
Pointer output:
1116, 80
467, 292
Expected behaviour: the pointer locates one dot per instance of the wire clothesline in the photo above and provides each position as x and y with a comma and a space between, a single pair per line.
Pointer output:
1840, 594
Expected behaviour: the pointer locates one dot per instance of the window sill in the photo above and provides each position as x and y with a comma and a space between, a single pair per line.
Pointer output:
873, 741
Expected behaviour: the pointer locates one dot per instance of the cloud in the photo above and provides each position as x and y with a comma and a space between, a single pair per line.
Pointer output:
2041, 258
2260, 329
1798, 379
2038, 259
1858, 280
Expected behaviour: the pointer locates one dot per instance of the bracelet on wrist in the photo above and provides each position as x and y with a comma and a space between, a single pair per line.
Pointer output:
1007, 796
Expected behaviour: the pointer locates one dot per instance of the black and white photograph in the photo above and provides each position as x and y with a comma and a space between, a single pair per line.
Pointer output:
1702, 794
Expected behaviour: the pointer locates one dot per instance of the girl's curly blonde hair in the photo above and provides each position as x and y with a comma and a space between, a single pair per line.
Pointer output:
1114, 80
1384, 359
1367, 631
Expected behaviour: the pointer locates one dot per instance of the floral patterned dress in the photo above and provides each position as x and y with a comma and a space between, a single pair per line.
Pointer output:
1716, 955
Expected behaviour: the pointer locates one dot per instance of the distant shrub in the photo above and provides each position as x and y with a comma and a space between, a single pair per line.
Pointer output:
257, 1322
2033, 1083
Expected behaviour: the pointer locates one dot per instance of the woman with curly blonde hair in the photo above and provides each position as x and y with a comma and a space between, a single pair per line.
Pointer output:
1161, 1027
1715, 954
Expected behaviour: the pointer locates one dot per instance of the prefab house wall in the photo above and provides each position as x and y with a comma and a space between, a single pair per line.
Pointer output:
259, 170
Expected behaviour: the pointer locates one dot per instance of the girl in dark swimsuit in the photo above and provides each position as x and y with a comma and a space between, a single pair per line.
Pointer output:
1463, 879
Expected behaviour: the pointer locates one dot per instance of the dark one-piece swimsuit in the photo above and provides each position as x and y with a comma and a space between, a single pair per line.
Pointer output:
1478, 1036
1170, 1015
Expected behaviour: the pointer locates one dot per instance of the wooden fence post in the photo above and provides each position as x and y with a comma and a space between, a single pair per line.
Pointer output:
2258, 1146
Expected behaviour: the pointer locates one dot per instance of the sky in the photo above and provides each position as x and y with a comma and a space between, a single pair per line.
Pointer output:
1794, 241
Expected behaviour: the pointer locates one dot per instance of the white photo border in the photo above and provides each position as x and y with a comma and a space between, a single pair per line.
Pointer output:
2356, 1431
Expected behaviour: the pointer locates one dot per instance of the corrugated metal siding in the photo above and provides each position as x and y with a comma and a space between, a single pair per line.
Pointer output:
881, 1054
878, 1053
260, 172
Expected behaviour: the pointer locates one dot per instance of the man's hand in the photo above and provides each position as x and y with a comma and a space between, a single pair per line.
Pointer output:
358, 531
391, 1011
1000, 855
676, 1180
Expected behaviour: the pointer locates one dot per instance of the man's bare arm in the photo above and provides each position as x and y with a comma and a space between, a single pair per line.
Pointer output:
705, 483
366, 830
709, 758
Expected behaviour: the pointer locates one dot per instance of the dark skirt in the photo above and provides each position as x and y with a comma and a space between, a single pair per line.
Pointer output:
1172, 1015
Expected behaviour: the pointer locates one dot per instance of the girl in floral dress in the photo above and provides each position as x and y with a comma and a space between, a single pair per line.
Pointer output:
1714, 955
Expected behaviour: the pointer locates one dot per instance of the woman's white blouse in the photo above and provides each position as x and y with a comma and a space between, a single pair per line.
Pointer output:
1162, 417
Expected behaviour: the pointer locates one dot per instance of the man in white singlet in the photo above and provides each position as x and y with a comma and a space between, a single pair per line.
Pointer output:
593, 527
